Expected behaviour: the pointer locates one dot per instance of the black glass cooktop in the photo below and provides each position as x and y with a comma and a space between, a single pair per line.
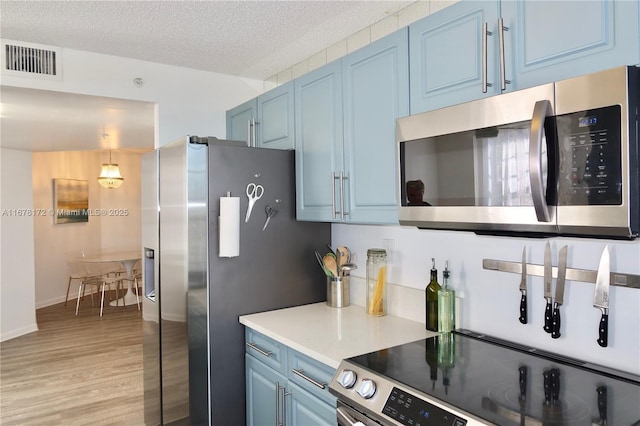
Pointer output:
509, 385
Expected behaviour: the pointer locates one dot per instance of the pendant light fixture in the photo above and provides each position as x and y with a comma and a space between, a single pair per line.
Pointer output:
110, 175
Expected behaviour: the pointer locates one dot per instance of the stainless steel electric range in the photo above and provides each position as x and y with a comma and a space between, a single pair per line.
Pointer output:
466, 378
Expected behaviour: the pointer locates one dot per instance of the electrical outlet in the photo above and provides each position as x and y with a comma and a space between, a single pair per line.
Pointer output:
388, 246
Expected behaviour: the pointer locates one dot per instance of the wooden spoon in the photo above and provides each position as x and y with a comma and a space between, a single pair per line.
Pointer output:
329, 261
345, 255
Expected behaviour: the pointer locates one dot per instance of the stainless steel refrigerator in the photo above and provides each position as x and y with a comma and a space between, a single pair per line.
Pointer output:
193, 342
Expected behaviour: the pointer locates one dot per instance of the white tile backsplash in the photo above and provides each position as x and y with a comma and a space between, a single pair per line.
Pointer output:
490, 300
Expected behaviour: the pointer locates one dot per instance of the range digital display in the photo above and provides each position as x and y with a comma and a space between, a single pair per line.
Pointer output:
411, 410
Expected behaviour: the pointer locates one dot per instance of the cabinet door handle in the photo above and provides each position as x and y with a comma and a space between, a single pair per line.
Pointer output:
485, 33
278, 387
255, 132
256, 348
333, 195
342, 212
503, 78
309, 379
249, 125
285, 394
281, 405
540, 112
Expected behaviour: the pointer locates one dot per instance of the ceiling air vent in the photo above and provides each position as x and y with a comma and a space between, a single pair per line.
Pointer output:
30, 60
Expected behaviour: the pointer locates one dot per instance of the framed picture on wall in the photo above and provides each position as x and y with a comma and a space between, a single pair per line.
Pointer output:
71, 200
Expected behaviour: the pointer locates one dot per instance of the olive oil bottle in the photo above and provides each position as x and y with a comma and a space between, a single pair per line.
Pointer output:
446, 304
431, 296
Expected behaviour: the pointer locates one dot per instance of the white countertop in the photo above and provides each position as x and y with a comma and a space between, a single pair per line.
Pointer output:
332, 334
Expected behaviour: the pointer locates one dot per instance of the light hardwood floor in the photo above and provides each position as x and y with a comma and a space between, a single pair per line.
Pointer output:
82, 370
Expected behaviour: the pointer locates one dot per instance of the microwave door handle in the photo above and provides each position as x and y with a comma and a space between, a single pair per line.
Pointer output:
540, 112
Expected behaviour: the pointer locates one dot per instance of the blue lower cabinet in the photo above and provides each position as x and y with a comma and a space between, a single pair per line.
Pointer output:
262, 382
303, 409
285, 387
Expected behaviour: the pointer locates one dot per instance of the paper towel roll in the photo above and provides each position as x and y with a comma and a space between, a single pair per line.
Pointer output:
229, 227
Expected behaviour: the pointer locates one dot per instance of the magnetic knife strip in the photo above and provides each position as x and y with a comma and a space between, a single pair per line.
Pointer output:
573, 274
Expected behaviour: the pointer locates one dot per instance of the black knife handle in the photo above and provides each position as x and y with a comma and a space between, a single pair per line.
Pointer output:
546, 382
555, 323
547, 317
603, 331
523, 375
602, 404
523, 309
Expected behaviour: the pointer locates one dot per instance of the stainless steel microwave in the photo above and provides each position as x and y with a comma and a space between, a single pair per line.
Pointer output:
556, 159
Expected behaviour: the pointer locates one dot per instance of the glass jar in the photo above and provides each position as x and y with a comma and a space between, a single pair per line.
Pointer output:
376, 282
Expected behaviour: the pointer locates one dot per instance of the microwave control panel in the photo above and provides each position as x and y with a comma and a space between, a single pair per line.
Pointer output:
590, 169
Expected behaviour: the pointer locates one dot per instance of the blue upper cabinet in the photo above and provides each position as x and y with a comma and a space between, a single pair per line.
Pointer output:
375, 94
240, 120
266, 121
512, 45
275, 118
319, 137
453, 58
562, 39
345, 134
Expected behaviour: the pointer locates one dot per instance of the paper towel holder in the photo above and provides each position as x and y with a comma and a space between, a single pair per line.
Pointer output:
229, 226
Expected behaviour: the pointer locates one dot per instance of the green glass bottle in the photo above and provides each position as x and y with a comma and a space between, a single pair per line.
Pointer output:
446, 357
431, 357
446, 304
431, 296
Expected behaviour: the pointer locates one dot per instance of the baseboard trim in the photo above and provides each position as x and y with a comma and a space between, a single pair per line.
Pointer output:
12, 334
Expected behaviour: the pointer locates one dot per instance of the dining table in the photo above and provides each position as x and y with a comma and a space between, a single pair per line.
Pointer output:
128, 260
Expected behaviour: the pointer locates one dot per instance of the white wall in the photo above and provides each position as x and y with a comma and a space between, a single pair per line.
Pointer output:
491, 299
188, 102
17, 278
113, 232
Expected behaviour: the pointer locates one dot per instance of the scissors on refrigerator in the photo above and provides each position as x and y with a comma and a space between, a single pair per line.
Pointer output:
254, 192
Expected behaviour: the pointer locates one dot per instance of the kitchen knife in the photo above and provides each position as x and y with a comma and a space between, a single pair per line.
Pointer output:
523, 288
559, 297
601, 297
547, 287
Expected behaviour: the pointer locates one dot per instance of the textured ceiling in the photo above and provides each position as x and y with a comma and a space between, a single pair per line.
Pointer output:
255, 39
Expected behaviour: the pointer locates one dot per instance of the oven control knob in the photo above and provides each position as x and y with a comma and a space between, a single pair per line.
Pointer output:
347, 378
367, 388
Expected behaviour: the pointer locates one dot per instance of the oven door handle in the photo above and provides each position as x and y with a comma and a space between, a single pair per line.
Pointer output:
344, 418
540, 111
